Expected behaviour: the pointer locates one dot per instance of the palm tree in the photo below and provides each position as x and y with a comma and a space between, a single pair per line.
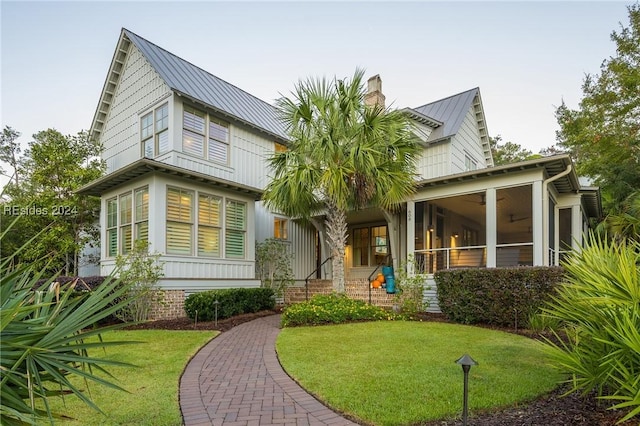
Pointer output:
343, 155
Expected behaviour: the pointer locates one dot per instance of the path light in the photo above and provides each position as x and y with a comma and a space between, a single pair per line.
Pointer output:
466, 362
215, 303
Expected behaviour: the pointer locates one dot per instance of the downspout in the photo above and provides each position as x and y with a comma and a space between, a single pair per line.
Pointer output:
545, 213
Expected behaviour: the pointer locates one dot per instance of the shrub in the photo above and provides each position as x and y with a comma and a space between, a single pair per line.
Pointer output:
501, 296
600, 305
332, 309
232, 301
140, 272
411, 287
273, 265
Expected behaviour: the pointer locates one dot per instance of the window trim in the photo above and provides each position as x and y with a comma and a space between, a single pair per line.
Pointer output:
281, 232
155, 132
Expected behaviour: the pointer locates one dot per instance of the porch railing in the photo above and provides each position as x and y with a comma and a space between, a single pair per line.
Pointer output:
431, 260
306, 280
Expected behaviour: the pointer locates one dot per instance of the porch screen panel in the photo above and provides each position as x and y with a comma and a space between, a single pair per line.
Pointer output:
209, 218
179, 221
235, 232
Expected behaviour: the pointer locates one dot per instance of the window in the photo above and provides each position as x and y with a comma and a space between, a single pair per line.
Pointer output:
199, 128
199, 223
218, 141
154, 132
236, 223
179, 221
126, 225
112, 227
469, 163
280, 228
209, 219
370, 246
193, 132
279, 147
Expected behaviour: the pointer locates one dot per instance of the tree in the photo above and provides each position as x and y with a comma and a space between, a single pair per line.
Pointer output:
51, 170
603, 134
509, 152
343, 155
10, 151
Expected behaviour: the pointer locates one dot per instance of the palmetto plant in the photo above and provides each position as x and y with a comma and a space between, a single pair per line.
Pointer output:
43, 336
342, 155
600, 304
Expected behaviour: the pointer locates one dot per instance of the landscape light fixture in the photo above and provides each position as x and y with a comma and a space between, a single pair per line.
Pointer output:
466, 362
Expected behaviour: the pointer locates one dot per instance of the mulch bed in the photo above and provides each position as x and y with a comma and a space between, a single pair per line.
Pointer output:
548, 410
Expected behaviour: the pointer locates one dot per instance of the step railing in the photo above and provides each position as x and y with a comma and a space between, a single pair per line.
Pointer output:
315, 271
378, 266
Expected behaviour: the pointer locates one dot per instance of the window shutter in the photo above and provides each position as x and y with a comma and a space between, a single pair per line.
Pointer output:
112, 242
178, 238
235, 226
208, 241
234, 244
163, 142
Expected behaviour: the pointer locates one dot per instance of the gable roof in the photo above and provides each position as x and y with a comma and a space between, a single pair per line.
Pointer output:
194, 83
451, 111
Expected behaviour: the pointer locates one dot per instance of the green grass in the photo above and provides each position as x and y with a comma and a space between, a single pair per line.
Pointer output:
153, 384
399, 373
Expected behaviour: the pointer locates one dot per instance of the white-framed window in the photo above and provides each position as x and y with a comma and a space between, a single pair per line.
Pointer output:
209, 225
235, 229
124, 224
179, 221
205, 136
281, 228
469, 163
205, 225
154, 132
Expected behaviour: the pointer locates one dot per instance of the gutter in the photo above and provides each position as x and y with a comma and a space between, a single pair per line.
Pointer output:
545, 212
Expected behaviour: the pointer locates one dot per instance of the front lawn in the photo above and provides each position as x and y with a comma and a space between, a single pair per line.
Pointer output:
153, 385
404, 372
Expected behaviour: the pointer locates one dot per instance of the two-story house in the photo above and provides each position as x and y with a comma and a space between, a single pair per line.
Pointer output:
186, 167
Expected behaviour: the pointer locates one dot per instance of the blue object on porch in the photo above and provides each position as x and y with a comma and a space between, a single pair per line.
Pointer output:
387, 270
391, 284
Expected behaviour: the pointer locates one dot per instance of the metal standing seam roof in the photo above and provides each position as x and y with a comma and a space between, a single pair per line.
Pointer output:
451, 111
194, 82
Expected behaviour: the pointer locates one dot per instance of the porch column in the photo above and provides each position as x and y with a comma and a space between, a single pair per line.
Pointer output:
411, 234
491, 227
576, 227
538, 229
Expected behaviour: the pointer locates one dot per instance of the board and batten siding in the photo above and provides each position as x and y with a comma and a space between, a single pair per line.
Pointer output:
139, 88
467, 142
434, 161
301, 240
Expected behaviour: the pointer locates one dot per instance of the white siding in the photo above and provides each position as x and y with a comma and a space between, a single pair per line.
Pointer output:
467, 142
138, 89
435, 161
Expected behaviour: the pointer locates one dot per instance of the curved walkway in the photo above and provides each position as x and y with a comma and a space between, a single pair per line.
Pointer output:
236, 379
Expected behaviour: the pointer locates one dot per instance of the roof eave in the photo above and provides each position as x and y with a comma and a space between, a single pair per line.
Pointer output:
145, 166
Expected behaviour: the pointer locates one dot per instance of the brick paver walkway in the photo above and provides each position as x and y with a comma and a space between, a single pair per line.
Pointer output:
236, 379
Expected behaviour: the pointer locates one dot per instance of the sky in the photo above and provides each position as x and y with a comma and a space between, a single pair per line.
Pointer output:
526, 57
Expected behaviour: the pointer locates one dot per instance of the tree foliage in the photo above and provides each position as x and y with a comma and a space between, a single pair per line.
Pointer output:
603, 134
10, 151
51, 170
342, 155
273, 265
509, 152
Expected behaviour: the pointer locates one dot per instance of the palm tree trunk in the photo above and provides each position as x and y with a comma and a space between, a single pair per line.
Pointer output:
337, 238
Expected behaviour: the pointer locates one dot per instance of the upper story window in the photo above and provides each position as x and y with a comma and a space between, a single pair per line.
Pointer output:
154, 132
469, 163
127, 223
279, 147
205, 136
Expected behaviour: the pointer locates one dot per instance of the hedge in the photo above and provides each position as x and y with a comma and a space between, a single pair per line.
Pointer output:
232, 301
500, 296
